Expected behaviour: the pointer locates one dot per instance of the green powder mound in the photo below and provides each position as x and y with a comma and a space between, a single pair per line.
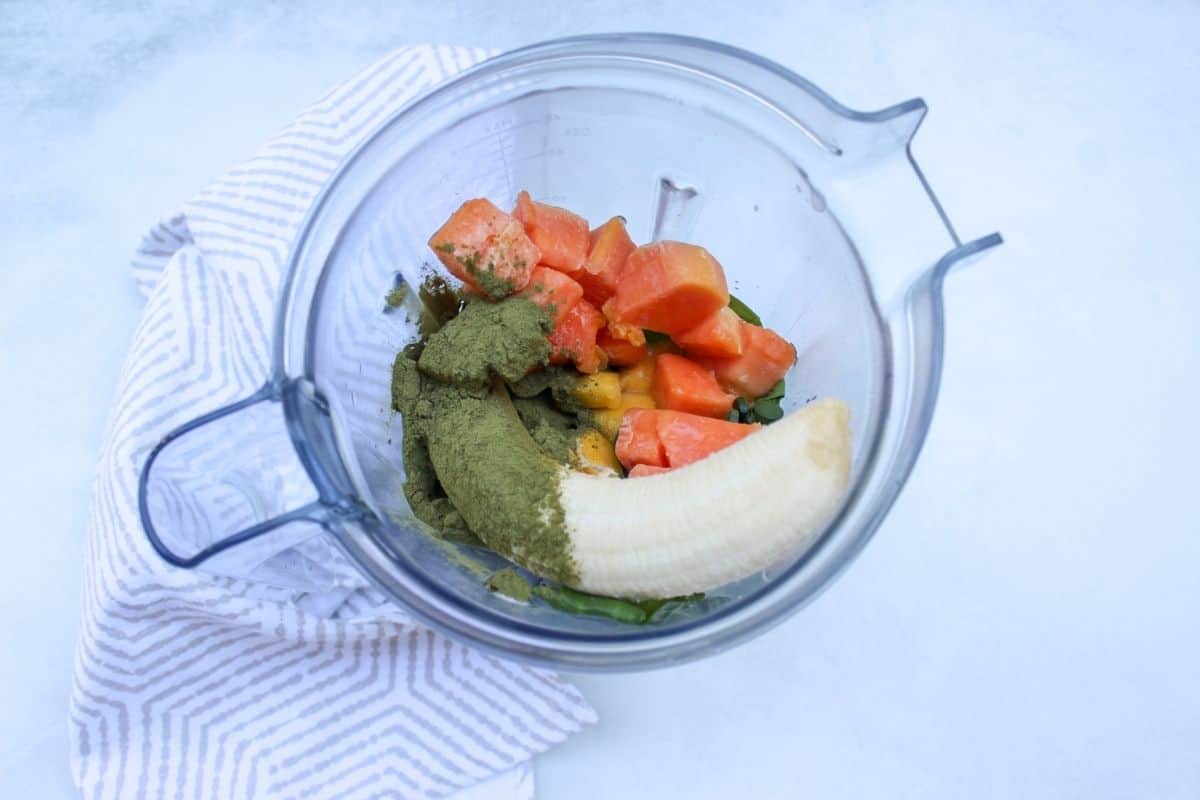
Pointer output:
509, 583
535, 383
406, 385
421, 487
467, 451
499, 479
427, 498
556, 382
505, 339
554, 431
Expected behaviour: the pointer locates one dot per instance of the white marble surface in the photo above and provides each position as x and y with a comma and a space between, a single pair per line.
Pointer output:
1025, 623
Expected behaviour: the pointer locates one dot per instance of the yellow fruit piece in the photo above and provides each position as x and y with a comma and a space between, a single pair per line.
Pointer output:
638, 377
636, 400
596, 453
608, 421
601, 390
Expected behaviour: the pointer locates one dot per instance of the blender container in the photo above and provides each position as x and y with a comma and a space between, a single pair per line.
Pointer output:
820, 215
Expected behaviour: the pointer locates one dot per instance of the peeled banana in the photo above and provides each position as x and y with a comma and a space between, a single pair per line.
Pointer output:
718, 520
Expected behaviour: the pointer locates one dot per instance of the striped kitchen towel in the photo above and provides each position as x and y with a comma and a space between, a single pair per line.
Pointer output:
287, 676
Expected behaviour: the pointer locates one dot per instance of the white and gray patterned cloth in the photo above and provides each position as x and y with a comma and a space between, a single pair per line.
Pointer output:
199, 685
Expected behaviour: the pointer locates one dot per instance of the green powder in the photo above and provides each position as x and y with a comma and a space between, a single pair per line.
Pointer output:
558, 382
554, 431
421, 488
511, 584
484, 275
507, 339
440, 303
472, 465
493, 286
396, 297
427, 498
499, 479
467, 559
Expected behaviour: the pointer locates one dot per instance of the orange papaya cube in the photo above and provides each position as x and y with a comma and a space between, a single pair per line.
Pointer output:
621, 352
574, 339
610, 246
717, 336
643, 470
560, 235
680, 384
553, 291
486, 249
621, 330
687, 438
637, 441
670, 287
766, 357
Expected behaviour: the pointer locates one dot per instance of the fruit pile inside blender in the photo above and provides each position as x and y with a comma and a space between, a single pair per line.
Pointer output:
604, 415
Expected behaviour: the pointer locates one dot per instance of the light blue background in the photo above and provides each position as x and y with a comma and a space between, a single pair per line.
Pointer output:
1025, 624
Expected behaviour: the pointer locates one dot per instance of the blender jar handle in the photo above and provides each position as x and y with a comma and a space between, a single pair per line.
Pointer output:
920, 321
248, 454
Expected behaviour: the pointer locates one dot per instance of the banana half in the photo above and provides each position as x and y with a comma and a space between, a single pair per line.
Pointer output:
718, 520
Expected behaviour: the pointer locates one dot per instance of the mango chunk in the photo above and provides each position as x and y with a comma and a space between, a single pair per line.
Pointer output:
596, 453
599, 390
639, 377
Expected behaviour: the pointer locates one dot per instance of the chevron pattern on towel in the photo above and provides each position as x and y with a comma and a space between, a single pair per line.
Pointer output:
194, 685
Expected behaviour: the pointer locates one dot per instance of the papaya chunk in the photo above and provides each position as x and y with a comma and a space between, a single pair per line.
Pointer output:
610, 246
574, 339
662, 438
717, 336
683, 385
560, 235
687, 438
621, 352
553, 291
486, 249
669, 287
638, 442
766, 357
642, 470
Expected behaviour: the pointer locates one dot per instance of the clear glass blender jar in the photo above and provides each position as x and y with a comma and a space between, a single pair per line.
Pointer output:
819, 214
